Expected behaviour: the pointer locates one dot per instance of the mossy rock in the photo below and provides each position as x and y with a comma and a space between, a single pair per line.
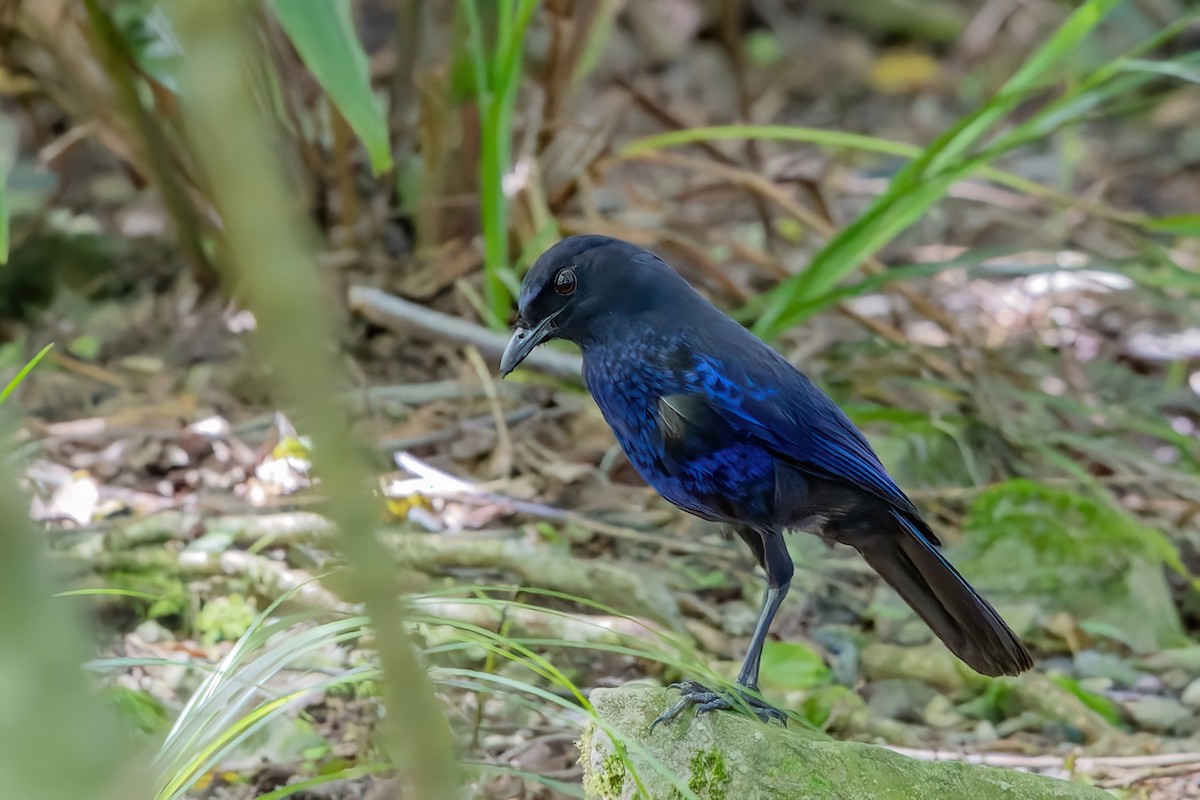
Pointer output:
1067, 553
728, 756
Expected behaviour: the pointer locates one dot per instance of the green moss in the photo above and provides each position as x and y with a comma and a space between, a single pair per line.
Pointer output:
819, 785
725, 756
709, 778
612, 775
609, 779
1043, 529
225, 618
1066, 552
171, 592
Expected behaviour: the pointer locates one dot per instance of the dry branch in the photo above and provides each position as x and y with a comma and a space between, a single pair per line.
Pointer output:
393, 312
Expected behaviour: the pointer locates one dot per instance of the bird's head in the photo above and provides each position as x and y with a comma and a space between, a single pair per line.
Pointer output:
578, 284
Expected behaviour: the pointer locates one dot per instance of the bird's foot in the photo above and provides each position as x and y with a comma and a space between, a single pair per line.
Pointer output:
705, 700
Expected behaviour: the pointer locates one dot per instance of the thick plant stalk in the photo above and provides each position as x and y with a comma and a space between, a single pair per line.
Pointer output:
59, 740
270, 249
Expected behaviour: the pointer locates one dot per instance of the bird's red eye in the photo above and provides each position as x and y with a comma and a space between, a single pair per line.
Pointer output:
564, 282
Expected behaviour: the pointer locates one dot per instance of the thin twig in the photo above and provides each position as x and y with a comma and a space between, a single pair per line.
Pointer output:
1066, 763
502, 453
393, 312
433, 481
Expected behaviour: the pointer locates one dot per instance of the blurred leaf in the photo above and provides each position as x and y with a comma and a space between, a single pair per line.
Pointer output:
995, 702
1185, 69
86, 347
827, 701
232, 702
140, 709
900, 71
322, 32
600, 32
763, 48
1182, 224
791, 665
1096, 702
147, 30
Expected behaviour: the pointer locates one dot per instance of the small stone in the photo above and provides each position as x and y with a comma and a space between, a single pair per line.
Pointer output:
1149, 684
985, 731
1094, 664
1191, 694
898, 698
151, 632
940, 713
1157, 714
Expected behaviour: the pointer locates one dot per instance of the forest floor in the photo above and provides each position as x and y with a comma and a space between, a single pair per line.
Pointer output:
1036, 392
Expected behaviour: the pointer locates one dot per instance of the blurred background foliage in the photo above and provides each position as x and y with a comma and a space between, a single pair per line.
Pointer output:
975, 222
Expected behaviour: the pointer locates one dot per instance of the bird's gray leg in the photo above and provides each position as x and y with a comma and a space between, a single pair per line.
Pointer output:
777, 563
771, 553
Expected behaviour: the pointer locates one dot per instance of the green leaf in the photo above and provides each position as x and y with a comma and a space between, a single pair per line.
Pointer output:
791, 665
147, 31
139, 709
1096, 702
1182, 224
322, 32
925, 180
85, 348
497, 74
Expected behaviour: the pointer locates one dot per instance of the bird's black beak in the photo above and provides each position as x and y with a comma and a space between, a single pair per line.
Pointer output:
523, 340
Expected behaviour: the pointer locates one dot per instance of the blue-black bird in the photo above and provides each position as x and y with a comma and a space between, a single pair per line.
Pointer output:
724, 427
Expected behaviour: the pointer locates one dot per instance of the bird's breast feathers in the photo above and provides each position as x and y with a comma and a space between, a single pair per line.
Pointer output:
677, 438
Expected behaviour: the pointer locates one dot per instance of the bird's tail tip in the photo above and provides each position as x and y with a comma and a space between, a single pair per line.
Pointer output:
966, 623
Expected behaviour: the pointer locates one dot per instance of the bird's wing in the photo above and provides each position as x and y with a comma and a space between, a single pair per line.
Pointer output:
763, 396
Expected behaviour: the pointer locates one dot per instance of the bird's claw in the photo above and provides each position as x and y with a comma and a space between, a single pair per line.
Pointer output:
705, 700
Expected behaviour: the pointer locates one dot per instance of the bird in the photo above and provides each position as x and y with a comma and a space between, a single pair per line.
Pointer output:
727, 429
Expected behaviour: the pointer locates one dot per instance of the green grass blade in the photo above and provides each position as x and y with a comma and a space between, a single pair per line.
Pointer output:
349, 773
3, 213
1035, 73
100, 592
496, 99
24, 372
560, 787
322, 32
924, 181
1181, 69
836, 140
1182, 224
783, 133
8, 159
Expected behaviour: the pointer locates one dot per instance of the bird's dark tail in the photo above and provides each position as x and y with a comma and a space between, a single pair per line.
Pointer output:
964, 621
